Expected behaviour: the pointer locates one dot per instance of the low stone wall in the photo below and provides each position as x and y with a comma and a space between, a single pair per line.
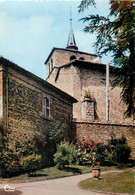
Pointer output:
101, 132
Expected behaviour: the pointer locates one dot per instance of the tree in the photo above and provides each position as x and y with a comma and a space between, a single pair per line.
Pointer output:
115, 34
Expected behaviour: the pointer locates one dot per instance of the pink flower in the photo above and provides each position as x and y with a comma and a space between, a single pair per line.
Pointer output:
98, 163
92, 142
98, 142
35, 141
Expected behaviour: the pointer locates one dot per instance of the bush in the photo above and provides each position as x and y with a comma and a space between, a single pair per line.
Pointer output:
89, 149
122, 152
10, 162
118, 150
31, 163
65, 155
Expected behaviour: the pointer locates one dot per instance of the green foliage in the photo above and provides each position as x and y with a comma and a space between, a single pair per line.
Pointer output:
65, 155
31, 163
115, 34
10, 162
118, 150
122, 152
13, 160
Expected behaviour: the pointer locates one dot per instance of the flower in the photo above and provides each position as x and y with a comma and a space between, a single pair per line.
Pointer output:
83, 138
43, 144
35, 141
98, 163
40, 135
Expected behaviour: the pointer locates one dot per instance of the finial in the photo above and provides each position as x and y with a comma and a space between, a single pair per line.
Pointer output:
70, 17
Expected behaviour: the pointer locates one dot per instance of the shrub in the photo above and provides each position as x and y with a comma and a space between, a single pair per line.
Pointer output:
31, 163
10, 162
117, 149
122, 152
65, 155
87, 150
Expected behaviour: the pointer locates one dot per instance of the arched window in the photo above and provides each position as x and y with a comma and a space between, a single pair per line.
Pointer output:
72, 58
81, 58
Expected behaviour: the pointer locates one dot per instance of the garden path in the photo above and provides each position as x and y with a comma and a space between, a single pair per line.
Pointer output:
60, 186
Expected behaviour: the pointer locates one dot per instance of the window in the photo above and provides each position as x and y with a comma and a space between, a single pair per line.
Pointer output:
81, 58
49, 68
46, 106
46, 109
51, 64
72, 58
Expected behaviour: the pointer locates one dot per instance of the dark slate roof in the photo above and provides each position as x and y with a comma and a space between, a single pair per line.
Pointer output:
6, 62
71, 44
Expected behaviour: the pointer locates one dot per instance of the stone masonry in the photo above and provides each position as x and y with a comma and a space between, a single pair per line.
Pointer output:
21, 109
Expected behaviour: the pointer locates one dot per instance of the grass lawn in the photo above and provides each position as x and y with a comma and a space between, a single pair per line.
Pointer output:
53, 172
112, 182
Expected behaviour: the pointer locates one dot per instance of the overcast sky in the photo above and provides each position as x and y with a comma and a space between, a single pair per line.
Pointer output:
30, 29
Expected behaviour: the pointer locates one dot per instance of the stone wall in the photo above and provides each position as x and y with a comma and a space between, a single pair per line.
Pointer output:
22, 106
77, 79
95, 82
1, 92
101, 132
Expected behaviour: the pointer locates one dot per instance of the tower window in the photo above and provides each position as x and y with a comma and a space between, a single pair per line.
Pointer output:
51, 64
49, 67
72, 58
81, 58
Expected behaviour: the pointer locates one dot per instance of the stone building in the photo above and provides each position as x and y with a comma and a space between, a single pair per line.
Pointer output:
83, 76
28, 104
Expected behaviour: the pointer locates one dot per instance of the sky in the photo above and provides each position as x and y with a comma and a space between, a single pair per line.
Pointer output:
30, 29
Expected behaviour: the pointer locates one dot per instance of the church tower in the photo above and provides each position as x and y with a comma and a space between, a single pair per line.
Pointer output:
61, 56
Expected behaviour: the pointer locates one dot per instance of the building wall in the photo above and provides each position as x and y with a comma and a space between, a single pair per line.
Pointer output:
22, 107
1, 92
95, 82
100, 132
75, 81
68, 80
